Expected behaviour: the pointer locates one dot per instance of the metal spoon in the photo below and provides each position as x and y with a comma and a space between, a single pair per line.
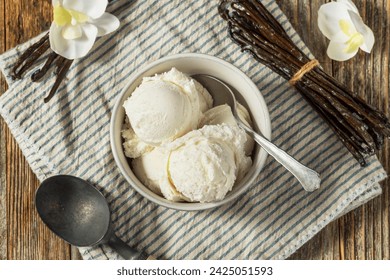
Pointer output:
78, 213
309, 179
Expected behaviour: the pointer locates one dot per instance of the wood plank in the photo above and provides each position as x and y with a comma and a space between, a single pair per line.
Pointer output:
3, 196
364, 233
369, 219
359, 234
373, 213
75, 253
382, 225
3, 187
28, 237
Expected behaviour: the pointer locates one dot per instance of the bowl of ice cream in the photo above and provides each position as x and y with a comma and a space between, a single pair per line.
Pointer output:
174, 147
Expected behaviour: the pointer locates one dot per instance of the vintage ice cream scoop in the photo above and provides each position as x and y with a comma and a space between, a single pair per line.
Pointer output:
309, 179
78, 213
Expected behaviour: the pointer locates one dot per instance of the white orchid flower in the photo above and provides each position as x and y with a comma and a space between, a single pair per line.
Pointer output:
341, 23
76, 25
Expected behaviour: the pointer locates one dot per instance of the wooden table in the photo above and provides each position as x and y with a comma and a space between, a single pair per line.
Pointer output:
361, 234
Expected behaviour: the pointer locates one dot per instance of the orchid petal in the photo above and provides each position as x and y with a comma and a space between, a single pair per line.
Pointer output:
61, 16
71, 32
340, 37
105, 24
349, 5
354, 43
363, 29
369, 41
78, 17
92, 8
329, 16
72, 49
357, 22
336, 51
341, 23
77, 24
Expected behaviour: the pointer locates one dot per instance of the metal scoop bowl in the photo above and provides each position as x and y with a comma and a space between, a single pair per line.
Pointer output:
78, 213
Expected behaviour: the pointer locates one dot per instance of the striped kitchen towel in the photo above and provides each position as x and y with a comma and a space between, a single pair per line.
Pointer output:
70, 135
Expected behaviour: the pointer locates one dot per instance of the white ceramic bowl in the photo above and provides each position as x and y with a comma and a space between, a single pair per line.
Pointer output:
190, 63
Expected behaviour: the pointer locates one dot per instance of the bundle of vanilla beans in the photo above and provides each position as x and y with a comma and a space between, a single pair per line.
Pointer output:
360, 127
32, 54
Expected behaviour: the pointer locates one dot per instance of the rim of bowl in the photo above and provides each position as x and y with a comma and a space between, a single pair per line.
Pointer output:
148, 194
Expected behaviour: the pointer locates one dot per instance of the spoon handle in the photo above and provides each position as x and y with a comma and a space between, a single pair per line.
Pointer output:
309, 179
126, 251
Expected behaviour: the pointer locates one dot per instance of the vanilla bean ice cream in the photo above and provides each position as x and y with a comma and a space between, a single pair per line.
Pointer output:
166, 106
204, 164
181, 147
222, 114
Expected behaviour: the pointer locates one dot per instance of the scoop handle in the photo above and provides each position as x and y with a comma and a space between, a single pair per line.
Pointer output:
127, 252
309, 179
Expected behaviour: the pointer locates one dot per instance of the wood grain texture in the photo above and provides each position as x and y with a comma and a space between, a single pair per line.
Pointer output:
362, 234
3, 187
26, 237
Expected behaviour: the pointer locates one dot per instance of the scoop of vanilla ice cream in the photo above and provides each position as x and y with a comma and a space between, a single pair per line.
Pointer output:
189, 85
204, 164
236, 139
160, 111
222, 114
203, 170
133, 146
165, 107
170, 192
150, 168
205, 99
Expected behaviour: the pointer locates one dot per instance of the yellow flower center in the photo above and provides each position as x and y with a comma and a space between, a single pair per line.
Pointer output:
64, 16
345, 26
354, 42
355, 39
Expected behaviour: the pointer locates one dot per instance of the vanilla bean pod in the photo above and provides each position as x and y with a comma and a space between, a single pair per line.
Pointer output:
260, 40
371, 117
347, 121
269, 27
352, 146
356, 103
59, 64
29, 57
37, 75
63, 68
360, 127
378, 137
32, 54
375, 117
26, 54
358, 146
